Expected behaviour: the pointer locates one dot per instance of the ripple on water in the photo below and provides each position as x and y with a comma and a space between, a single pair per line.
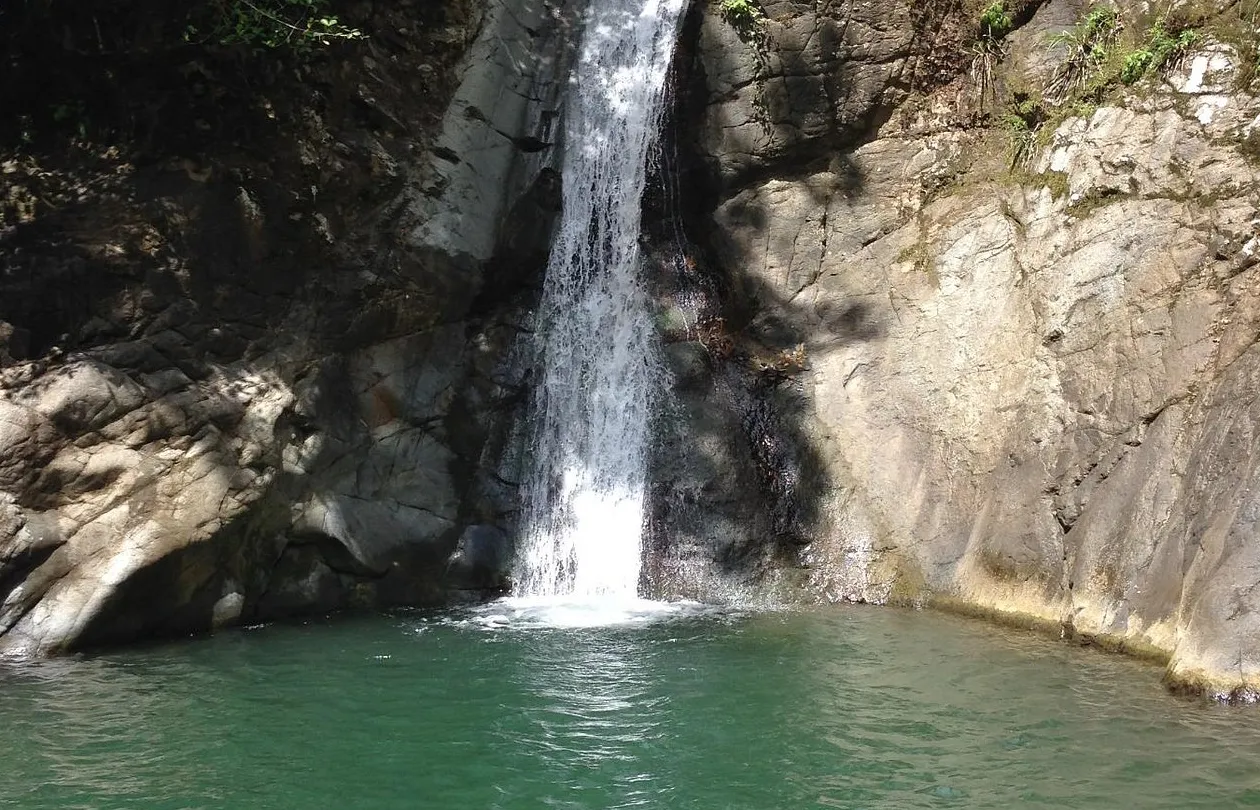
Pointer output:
563, 613
676, 707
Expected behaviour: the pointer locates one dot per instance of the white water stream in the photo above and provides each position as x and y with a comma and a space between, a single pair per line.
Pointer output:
584, 495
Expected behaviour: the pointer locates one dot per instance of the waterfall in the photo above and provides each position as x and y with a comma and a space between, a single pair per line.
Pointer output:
584, 494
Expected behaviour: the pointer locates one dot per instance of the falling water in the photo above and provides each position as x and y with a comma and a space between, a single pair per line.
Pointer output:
584, 497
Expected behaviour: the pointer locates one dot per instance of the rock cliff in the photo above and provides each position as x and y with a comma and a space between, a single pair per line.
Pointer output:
253, 351
959, 313
1029, 314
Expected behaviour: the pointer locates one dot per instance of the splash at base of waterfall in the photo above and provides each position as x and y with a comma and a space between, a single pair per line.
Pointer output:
562, 612
589, 543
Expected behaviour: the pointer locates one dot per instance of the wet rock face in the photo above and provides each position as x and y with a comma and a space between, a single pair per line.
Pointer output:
729, 503
235, 387
1032, 391
736, 478
482, 560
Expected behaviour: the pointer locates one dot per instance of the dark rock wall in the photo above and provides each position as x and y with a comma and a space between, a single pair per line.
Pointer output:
252, 349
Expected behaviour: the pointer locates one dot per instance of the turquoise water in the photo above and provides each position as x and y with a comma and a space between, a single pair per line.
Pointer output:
849, 708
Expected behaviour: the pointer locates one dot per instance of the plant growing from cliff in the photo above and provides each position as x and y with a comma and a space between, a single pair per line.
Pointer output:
1023, 121
1021, 139
1240, 28
1162, 47
294, 24
747, 18
1090, 44
983, 64
994, 24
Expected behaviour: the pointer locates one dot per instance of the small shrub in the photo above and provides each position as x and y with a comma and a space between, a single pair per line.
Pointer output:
983, 67
1161, 48
995, 22
1135, 65
1089, 44
1023, 121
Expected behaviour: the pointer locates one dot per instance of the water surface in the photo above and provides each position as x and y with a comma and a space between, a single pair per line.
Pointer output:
850, 708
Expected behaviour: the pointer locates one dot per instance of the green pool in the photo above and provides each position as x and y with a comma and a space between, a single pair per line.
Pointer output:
696, 708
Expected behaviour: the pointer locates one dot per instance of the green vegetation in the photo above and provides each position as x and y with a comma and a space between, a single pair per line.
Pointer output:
1054, 182
1090, 45
995, 22
1097, 57
747, 18
1238, 27
1162, 47
295, 24
109, 71
1023, 120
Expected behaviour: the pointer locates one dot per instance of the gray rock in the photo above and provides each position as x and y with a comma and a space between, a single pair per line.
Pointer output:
297, 407
1022, 403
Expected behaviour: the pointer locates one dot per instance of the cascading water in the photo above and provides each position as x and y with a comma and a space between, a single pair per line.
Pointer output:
584, 496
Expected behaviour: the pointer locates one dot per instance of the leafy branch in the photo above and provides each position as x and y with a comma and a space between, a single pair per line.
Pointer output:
272, 24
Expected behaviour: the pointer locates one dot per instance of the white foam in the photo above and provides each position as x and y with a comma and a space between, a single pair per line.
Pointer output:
567, 613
